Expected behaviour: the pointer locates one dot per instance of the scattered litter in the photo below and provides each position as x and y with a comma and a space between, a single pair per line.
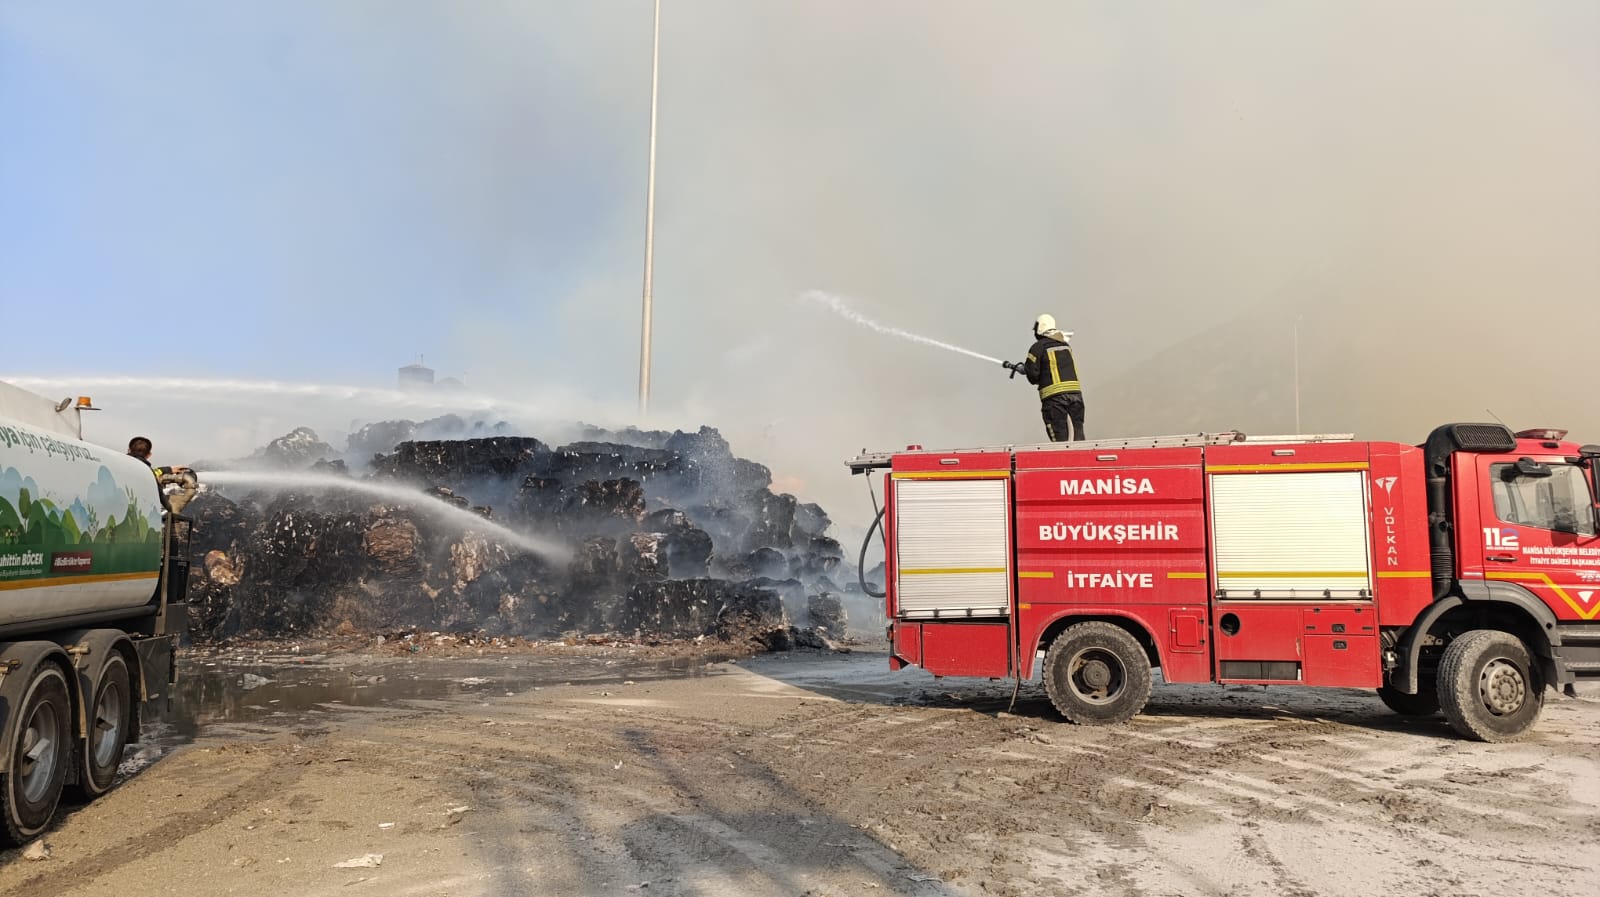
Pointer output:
38, 850
241, 862
251, 681
617, 766
367, 861
457, 811
385, 825
472, 680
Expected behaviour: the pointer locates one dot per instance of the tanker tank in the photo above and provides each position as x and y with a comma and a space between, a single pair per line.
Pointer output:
80, 527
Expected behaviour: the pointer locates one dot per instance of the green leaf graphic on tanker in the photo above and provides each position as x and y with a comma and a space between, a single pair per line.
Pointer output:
104, 512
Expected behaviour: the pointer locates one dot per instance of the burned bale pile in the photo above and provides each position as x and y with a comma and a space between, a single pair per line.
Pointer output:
646, 534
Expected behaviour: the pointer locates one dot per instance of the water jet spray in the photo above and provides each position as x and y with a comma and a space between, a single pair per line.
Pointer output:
460, 518
838, 306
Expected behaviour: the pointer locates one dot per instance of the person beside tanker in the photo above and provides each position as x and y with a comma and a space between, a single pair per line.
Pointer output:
183, 478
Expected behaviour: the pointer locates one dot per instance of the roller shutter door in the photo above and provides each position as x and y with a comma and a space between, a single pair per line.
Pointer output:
953, 552
1291, 535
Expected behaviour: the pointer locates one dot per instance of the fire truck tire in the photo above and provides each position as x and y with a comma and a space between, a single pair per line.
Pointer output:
1424, 703
110, 720
40, 749
1097, 674
1488, 687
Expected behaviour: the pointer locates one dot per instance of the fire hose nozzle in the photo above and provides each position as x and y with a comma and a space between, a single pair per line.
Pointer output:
1015, 367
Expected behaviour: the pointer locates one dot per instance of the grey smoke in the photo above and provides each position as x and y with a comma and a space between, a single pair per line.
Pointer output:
1175, 182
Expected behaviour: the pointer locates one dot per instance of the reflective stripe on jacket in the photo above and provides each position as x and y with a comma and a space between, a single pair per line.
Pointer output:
1050, 366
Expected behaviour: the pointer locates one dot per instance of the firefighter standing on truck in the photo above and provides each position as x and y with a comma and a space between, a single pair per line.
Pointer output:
1050, 367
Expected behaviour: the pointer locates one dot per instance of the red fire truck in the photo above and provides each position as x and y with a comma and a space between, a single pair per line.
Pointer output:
1461, 575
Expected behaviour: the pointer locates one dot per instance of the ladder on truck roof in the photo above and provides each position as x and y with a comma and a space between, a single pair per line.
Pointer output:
874, 460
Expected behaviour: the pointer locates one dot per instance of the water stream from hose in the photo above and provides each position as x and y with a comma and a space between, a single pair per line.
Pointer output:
838, 306
460, 518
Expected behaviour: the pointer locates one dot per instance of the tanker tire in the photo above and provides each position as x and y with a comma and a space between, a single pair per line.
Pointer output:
1488, 689
40, 748
1097, 674
1424, 703
110, 720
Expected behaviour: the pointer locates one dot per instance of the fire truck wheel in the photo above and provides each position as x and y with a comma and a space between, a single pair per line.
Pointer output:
39, 751
110, 719
1424, 703
1488, 687
1097, 674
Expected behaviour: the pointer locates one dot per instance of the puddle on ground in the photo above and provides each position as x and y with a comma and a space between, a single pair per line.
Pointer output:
267, 693
252, 694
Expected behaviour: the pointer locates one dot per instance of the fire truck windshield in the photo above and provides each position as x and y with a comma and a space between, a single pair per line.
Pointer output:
1560, 502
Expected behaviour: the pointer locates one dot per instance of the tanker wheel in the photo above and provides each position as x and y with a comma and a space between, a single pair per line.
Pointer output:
110, 721
1488, 686
40, 748
1424, 703
1097, 674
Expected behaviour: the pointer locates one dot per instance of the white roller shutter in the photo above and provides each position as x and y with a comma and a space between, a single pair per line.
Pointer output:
1291, 535
953, 557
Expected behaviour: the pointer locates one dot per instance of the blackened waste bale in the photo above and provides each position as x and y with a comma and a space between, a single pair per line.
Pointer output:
666, 536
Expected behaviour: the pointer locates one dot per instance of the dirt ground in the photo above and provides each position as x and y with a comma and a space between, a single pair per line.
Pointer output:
815, 773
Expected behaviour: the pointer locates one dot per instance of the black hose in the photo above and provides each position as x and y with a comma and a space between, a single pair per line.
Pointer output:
861, 561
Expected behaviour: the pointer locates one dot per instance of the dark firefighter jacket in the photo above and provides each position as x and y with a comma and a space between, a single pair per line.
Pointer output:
1051, 368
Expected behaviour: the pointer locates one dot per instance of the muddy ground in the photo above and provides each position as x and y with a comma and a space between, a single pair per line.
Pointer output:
809, 773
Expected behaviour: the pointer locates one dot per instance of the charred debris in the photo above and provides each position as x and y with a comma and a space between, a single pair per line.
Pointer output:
661, 536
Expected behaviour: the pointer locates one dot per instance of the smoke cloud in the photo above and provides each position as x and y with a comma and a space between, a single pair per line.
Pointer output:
1408, 189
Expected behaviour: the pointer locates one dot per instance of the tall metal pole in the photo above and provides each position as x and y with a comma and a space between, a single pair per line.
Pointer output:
649, 223
1297, 374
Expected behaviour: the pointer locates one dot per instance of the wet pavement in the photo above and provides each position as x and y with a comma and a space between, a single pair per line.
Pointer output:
253, 694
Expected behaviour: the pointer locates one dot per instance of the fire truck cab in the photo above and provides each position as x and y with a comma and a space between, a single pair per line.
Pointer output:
1462, 575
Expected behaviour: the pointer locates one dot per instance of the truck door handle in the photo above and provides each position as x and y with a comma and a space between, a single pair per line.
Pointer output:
1503, 558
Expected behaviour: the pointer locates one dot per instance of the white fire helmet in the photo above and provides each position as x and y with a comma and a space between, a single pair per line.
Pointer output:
1046, 325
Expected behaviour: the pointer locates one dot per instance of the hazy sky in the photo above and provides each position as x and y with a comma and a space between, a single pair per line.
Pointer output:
318, 192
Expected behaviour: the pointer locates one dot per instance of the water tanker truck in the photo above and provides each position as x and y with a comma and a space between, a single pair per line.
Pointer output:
91, 572
1460, 576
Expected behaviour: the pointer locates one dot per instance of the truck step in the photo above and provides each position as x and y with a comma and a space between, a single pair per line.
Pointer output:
1579, 635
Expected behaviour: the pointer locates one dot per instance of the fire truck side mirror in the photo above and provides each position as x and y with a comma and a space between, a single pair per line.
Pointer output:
1591, 459
1589, 456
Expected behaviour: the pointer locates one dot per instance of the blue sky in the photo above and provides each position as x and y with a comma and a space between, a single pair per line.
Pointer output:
302, 190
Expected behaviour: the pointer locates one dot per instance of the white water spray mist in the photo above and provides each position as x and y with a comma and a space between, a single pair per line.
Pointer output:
838, 306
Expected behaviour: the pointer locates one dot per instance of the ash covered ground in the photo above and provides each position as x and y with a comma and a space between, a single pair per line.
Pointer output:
652, 535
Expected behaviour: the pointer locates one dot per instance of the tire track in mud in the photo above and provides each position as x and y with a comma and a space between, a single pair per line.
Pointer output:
741, 784
1009, 801
655, 815
243, 791
1207, 761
